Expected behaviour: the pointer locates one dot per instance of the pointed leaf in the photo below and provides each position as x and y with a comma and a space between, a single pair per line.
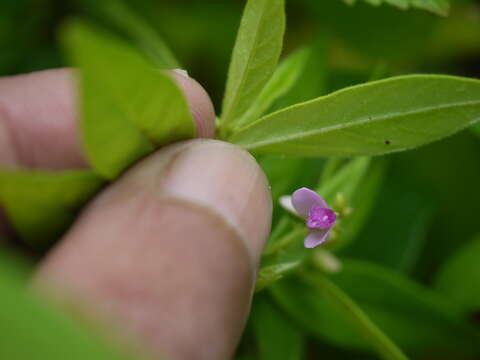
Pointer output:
375, 118
254, 57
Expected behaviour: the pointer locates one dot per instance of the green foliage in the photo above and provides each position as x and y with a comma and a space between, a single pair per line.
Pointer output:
282, 80
278, 338
41, 205
395, 304
351, 188
32, 329
345, 180
312, 80
395, 235
254, 57
387, 34
439, 7
374, 118
362, 202
128, 107
459, 278
374, 337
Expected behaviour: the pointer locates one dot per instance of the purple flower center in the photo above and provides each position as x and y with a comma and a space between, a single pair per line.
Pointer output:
320, 217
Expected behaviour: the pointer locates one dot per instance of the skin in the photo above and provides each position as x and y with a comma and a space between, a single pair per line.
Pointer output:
167, 254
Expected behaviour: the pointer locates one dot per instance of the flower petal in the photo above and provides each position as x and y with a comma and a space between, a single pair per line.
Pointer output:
315, 238
303, 199
286, 203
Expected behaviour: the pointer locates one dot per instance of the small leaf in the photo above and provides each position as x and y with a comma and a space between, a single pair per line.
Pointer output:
282, 80
375, 118
254, 57
128, 107
439, 7
41, 205
277, 337
459, 278
32, 329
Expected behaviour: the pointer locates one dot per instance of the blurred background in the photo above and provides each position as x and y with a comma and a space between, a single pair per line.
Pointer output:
429, 203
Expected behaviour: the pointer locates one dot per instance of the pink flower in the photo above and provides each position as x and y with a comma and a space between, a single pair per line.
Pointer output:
319, 218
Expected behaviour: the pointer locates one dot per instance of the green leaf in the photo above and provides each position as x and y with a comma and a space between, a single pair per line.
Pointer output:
254, 57
128, 107
386, 33
41, 205
282, 80
277, 337
143, 35
32, 329
415, 318
376, 339
375, 118
439, 7
459, 278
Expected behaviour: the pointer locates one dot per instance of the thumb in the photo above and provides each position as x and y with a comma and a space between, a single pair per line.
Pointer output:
169, 252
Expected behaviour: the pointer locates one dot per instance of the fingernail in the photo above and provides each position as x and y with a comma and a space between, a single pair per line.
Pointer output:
181, 72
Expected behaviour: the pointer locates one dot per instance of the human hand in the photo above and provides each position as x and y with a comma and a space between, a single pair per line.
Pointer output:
168, 252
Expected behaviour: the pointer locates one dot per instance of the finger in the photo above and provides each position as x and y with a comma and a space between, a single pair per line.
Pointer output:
39, 125
199, 102
170, 250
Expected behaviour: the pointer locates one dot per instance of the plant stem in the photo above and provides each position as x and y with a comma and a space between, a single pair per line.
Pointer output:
384, 347
286, 240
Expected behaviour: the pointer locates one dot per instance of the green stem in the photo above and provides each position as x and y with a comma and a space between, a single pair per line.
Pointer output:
286, 240
384, 347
